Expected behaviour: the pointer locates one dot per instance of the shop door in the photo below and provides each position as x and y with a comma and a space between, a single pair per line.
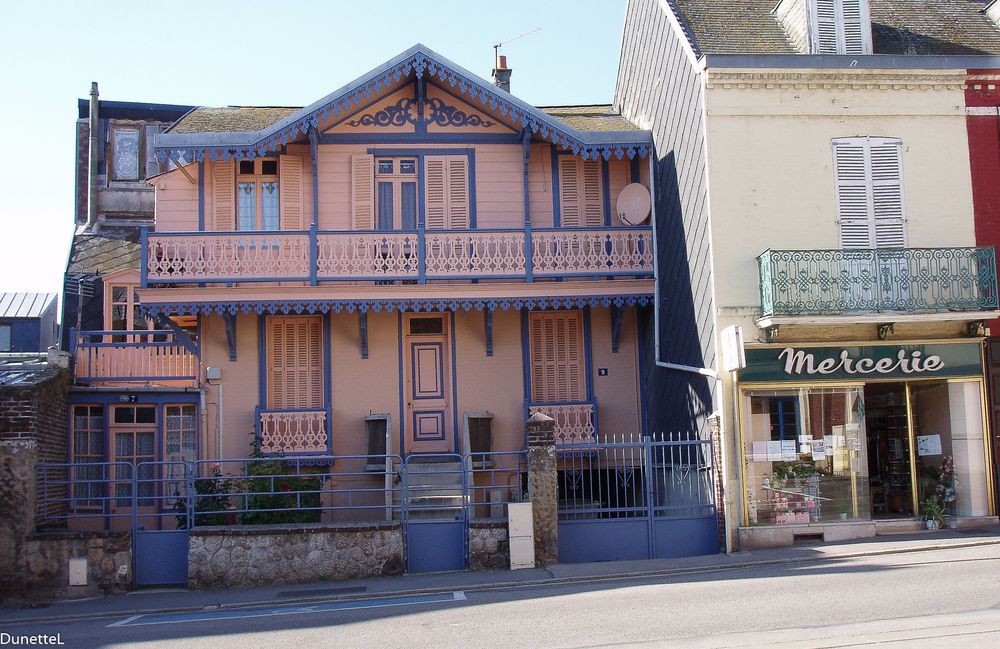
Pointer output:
889, 461
427, 365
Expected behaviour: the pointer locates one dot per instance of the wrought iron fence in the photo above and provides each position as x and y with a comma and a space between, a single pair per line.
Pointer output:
832, 282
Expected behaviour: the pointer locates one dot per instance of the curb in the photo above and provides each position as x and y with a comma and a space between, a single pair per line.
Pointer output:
501, 585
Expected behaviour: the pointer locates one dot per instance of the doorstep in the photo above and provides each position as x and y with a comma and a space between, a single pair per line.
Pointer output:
777, 536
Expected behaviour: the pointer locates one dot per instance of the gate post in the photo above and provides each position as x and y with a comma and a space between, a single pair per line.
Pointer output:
542, 487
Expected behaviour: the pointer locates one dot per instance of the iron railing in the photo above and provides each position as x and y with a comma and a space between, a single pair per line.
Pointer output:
907, 280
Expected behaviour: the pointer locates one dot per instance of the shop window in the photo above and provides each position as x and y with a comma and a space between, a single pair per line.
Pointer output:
784, 418
88, 456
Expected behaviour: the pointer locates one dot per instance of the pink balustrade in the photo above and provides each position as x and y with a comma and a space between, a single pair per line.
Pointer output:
367, 255
574, 422
133, 357
234, 256
475, 253
571, 251
288, 432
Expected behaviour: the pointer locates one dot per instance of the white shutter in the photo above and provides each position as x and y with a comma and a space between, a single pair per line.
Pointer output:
825, 32
852, 193
841, 27
854, 42
869, 182
887, 192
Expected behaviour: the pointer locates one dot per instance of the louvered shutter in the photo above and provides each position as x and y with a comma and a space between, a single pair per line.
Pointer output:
580, 192
593, 209
363, 192
435, 193
223, 191
841, 27
854, 25
290, 191
556, 346
569, 192
295, 362
825, 35
853, 211
458, 191
887, 192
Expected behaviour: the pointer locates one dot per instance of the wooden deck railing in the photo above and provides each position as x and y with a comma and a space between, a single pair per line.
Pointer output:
145, 356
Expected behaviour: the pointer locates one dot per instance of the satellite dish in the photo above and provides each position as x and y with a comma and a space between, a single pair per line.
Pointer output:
633, 204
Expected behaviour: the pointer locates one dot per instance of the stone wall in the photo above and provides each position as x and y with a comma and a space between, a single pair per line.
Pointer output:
489, 548
257, 555
43, 572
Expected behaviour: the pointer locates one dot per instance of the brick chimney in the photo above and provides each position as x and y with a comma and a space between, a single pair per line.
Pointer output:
501, 74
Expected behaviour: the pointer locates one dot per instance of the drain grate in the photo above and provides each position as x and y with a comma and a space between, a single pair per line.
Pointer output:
323, 591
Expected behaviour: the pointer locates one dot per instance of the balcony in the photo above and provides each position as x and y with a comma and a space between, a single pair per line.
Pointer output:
409, 256
146, 356
575, 421
293, 431
954, 283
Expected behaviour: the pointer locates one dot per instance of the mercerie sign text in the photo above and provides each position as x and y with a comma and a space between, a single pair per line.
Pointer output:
862, 362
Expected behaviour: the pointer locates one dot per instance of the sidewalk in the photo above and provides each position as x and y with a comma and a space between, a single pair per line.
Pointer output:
178, 600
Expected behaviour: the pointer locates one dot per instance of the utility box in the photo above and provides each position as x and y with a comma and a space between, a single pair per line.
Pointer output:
78, 572
521, 535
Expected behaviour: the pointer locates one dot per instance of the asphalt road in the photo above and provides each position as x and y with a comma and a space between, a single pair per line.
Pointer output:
940, 598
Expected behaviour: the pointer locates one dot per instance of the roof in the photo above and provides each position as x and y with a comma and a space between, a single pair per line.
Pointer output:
597, 117
232, 118
132, 110
25, 369
264, 136
901, 27
108, 250
25, 305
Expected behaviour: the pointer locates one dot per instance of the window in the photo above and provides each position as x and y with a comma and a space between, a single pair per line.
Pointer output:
784, 418
840, 27
581, 201
133, 434
126, 154
88, 453
384, 192
557, 358
869, 189
396, 193
295, 362
4, 337
180, 441
257, 198
123, 312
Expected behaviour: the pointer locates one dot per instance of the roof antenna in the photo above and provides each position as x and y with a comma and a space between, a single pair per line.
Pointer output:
501, 73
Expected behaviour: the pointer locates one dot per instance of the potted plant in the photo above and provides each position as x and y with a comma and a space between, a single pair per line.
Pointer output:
931, 513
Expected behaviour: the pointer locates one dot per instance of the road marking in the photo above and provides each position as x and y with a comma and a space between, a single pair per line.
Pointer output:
234, 614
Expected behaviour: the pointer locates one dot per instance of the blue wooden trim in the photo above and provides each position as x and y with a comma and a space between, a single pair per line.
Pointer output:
418, 138
402, 390
556, 210
421, 92
501, 120
72, 341
417, 152
588, 346
363, 326
201, 196
135, 379
328, 381
361, 108
525, 363
180, 336
113, 398
529, 248
143, 257
606, 192
472, 188
442, 393
314, 154
421, 221
633, 170
488, 325
261, 362
454, 386
641, 341
427, 438
617, 313
313, 255
230, 321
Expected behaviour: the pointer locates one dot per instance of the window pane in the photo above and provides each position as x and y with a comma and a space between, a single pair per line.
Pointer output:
269, 205
123, 447
145, 415
124, 415
247, 206
407, 166
408, 202
385, 205
246, 167
126, 154
385, 166
426, 325
119, 293
4, 338
269, 167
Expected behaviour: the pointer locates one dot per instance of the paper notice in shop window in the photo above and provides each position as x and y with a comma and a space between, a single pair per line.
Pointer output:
818, 450
788, 450
828, 442
759, 452
774, 451
928, 445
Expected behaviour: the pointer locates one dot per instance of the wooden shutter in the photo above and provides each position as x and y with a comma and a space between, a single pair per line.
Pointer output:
295, 362
887, 192
363, 191
290, 191
557, 356
825, 33
853, 212
435, 193
580, 192
458, 191
224, 193
856, 26
841, 27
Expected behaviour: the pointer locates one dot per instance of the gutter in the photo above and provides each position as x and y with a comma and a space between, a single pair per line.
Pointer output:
92, 157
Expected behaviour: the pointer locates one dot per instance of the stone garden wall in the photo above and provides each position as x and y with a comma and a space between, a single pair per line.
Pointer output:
44, 570
489, 548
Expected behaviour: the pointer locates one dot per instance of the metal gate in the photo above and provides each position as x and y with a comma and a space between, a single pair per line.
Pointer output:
434, 512
160, 522
652, 497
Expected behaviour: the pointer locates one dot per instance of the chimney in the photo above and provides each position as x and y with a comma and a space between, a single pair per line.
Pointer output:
92, 158
501, 74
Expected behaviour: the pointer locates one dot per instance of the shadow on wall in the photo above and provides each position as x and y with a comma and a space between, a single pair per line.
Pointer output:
676, 400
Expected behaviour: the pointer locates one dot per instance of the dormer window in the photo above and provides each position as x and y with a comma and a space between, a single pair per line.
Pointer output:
257, 197
839, 27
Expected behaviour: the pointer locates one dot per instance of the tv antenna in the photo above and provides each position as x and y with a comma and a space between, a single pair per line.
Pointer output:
499, 44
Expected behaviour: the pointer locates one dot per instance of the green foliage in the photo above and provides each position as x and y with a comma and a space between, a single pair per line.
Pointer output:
211, 501
931, 510
274, 495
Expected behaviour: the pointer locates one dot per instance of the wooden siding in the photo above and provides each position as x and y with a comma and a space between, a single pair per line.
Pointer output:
659, 87
177, 202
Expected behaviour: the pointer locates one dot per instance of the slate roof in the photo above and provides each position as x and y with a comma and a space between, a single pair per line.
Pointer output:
25, 369
597, 117
24, 305
907, 27
231, 118
109, 250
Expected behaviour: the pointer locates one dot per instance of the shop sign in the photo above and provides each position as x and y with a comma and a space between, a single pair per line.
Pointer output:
862, 362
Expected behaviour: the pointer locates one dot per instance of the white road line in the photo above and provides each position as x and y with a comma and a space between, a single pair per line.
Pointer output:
125, 621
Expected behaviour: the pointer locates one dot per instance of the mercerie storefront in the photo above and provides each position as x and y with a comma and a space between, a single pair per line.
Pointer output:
867, 432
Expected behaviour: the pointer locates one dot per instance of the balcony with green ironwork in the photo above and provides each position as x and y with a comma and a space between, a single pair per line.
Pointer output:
876, 285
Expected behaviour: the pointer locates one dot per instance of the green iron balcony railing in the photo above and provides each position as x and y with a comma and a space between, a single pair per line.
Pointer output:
863, 280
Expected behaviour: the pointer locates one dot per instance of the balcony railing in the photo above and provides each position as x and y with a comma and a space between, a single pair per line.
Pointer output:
135, 356
293, 431
316, 256
575, 421
906, 280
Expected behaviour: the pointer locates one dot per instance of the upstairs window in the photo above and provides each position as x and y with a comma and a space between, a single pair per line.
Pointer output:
869, 192
581, 198
396, 193
840, 27
294, 362
257, 198
122, 312
261, 194
384, 192
126, 154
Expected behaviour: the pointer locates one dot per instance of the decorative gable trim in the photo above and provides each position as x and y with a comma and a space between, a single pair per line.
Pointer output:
420, 62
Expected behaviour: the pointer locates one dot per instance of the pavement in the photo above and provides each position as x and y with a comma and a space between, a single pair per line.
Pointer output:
179, 600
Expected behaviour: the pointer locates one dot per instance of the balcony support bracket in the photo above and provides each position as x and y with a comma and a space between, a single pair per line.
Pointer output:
488, 326
363, 324
230, 320
977, 328
617, 313
885, 329
771, 333
181, 336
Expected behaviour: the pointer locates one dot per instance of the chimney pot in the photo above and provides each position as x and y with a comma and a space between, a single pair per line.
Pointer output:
501, 74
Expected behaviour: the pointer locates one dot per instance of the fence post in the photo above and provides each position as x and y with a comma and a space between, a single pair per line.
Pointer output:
542, 487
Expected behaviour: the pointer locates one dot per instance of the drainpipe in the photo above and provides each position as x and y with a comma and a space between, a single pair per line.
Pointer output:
92, 158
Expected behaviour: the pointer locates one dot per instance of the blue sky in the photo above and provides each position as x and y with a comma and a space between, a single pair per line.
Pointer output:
211, 53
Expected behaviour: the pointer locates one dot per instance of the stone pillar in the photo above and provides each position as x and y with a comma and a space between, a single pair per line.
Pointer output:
17, 510
542, 487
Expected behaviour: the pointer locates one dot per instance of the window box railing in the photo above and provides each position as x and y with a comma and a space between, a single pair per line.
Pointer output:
293, 431
134, 356
575, 421
862, 280
415, 255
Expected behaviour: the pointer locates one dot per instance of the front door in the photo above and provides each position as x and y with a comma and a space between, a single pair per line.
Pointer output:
133, 442
427, 363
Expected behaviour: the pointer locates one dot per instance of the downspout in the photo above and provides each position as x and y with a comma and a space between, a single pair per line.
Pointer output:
92, 158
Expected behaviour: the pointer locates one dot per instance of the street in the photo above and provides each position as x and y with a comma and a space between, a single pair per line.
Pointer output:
938, 598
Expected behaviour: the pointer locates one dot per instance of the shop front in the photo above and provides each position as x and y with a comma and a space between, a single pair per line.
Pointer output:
847, 441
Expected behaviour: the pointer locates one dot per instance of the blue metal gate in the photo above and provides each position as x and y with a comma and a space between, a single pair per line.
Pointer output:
434, 498
652, 497
160, 522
